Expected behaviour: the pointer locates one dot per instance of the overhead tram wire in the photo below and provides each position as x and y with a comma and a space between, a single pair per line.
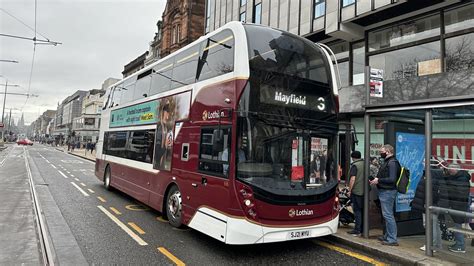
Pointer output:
24, 24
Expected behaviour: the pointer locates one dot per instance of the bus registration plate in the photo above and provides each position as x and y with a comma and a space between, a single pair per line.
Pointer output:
299, 234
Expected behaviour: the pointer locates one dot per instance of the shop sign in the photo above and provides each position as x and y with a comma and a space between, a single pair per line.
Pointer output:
376, 83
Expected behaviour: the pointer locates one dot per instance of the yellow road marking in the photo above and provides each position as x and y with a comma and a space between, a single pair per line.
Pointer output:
137, 208
115, 210
350, 253
136, 228
82, 184
135, 237
90, 190
101, 199
159, 218
171, 256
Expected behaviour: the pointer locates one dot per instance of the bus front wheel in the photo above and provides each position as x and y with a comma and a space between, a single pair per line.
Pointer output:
107, 177
174, 207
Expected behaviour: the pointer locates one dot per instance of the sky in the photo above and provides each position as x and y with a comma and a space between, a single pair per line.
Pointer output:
99, 37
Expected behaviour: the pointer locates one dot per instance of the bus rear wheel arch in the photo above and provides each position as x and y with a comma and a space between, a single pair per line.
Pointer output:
173, 207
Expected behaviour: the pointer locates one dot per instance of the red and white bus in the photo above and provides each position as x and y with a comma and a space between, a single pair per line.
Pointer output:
234, 135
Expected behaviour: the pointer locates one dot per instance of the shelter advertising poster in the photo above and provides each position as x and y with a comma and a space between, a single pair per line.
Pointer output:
410, 150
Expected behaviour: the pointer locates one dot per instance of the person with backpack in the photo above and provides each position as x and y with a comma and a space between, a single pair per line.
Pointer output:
387, 188
356, 190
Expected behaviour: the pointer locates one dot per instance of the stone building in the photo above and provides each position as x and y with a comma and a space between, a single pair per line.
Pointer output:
183, 22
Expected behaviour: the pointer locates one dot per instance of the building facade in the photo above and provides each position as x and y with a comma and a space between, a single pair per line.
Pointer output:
86, 126
183, 23
70, 108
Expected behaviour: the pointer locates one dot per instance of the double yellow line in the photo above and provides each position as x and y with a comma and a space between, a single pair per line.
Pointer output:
350, 253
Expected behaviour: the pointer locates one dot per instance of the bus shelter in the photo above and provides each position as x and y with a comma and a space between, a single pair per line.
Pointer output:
441, 133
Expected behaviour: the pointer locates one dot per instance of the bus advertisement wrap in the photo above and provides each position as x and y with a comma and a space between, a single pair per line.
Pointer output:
410, 153
140, 114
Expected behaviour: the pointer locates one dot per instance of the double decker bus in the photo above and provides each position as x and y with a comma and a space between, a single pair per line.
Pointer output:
236, 136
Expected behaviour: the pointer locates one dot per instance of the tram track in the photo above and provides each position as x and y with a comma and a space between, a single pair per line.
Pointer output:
46, 248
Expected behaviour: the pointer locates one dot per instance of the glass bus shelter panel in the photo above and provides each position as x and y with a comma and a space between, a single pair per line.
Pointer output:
452, 167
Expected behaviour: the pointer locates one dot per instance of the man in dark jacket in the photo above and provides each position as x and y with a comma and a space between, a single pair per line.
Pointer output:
457, 183
418, 203
356, 190
386, 184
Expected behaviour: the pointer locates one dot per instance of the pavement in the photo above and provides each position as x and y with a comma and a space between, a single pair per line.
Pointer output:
21, 245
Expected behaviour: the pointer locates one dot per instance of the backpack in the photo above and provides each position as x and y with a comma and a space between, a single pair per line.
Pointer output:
403, 180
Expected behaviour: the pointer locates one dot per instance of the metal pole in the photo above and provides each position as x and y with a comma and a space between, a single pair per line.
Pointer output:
366, 174
365, 219
428, 185
4, 99
3, 111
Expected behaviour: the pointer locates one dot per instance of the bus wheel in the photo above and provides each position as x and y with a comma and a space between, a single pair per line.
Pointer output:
174, 207
107, 177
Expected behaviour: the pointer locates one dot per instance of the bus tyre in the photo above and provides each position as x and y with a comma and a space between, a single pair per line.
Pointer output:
174, 207
107, 177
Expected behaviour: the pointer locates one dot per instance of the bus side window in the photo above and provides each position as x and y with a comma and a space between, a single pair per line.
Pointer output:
214, 154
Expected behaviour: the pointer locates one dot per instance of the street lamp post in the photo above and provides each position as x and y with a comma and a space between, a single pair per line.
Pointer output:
3, 109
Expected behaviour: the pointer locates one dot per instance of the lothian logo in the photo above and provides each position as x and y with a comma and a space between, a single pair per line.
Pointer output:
305, 212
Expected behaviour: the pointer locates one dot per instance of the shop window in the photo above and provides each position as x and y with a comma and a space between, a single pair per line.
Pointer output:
404, 33
242, 17
319, 8
358, 63
347, 2
410, 62
344, 73
258, 14
341, 50
460, 53
459, 19
214, 153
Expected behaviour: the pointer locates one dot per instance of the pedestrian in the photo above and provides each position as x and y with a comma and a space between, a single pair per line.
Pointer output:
373, 192
92, 147
386, 184
356, 190
418, 204
457, 182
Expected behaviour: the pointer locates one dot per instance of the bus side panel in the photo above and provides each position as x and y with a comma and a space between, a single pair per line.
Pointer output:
184, 169
99, 169
131, 181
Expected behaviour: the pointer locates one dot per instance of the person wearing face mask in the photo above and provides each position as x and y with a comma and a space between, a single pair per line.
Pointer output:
387, 191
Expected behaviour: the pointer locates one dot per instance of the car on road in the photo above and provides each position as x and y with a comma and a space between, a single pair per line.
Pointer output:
25, 142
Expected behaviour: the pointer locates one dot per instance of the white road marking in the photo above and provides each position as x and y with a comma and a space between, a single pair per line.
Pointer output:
90, 190
127, 230
46, 160
80, 189
53, 166
77, 179
82, 184
65, 176
72, 175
